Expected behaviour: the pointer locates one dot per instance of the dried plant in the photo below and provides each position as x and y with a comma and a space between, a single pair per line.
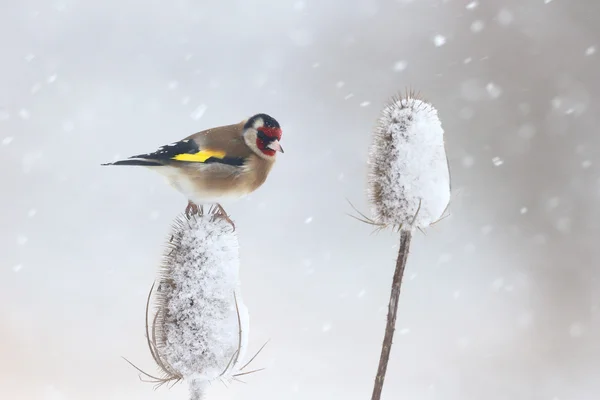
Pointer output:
199, 330
409, 188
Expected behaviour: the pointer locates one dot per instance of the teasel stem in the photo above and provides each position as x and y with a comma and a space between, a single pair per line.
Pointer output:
386, 348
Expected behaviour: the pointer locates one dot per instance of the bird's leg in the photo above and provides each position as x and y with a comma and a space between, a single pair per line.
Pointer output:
223, 213
191, 209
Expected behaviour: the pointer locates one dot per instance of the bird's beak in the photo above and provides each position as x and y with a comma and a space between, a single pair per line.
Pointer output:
274, 145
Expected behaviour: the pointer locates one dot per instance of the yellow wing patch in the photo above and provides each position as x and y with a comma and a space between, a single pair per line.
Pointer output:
200, 156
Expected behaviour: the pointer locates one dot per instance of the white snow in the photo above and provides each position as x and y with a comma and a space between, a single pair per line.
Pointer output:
409, 176
365, 103
468, 161
200, 286
198, 112
7, 140
24, 114
494, 91
400, 65
590, 50
497, 161
523, 210
505, 17
299, 5
308, 220
472, 5
22, 240
477, 26
439, 40
51, 79
340, 84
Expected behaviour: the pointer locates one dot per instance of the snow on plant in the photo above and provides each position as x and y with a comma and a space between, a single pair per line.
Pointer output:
408, 187
199, 331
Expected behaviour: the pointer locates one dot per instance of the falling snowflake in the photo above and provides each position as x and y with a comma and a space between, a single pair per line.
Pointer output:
7, 140
493, 90
308, 220
365, 103
24, 114
590, 50
497, 161
299, 5
505, 17
472, 5
523, 210
326, 327
198, 112
340, 84
477, 26
400, 66
498, 284
22, 240
439, 40
468, 161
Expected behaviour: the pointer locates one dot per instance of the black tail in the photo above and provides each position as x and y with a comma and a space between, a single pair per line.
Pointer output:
143, 163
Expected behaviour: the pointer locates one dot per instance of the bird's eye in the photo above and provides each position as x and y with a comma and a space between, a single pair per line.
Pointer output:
262, 136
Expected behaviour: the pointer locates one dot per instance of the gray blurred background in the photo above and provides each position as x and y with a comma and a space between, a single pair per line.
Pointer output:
501, 300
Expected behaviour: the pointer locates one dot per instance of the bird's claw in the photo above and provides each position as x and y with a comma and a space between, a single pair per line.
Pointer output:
192, 209
221, 211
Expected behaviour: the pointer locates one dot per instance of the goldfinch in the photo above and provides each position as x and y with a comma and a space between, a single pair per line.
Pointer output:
216, 164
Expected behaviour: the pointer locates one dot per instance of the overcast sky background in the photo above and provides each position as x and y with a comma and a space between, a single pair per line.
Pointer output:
501, 300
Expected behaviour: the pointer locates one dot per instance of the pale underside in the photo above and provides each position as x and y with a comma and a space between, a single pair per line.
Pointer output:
215, 183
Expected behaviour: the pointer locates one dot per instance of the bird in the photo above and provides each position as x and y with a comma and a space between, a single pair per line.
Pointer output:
221, 163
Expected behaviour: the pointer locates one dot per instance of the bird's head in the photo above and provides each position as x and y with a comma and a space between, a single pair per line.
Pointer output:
262, 134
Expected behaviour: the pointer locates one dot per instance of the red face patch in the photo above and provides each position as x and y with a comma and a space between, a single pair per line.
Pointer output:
271, 132
265, 136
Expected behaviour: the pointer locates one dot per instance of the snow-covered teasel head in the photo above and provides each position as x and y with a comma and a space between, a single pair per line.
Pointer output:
200, 329
409, 179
